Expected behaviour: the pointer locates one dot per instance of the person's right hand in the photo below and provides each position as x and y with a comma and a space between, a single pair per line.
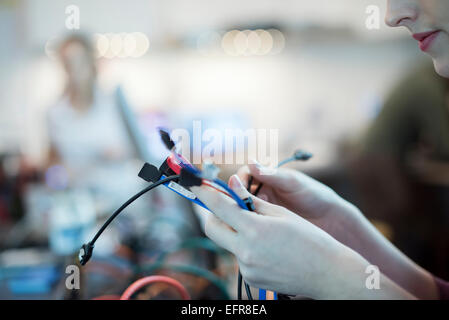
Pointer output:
303, 195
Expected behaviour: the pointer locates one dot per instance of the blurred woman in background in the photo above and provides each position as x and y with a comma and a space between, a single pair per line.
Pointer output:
85, 126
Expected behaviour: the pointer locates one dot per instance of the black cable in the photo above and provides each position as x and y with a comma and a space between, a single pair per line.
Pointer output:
239, 286
248, 292
86, 250
131, 200
240, 278
258, 189
250, 183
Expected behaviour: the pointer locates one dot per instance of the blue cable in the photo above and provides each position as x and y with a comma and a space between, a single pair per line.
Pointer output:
231, 193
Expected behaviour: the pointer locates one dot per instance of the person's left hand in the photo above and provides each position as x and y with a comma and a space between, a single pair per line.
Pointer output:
276, 249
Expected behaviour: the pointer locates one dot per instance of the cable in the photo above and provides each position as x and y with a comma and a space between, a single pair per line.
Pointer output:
190, 269
239, 286
131, 200
139, 284
232, 193
107, 297
248, 291
86, 250
299, 155
215, 188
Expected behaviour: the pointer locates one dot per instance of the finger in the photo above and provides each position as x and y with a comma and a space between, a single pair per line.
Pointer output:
276, 178
281, 179
236, 184
245, 176
224, 207
221, 233
243, 173
262, 207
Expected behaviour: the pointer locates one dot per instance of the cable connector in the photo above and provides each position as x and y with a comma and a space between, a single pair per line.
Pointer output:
299, 155
249, 204
149, 173
85, 253
210, 171
166, 139
189, 179
302, 155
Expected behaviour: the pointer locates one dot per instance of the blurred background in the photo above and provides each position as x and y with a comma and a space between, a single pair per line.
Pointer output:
79, 111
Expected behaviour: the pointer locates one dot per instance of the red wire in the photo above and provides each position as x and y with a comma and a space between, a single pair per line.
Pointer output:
134, 287
211, 186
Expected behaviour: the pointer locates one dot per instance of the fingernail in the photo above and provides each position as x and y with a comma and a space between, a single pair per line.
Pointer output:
236, 182
262, 169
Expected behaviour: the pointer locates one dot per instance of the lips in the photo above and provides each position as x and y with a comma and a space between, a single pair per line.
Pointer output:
426, 39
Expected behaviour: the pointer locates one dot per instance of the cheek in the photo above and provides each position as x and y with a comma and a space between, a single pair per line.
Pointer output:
442, 67
438, 12
441, 57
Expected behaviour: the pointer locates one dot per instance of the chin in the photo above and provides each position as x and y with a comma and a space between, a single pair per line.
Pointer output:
442, 68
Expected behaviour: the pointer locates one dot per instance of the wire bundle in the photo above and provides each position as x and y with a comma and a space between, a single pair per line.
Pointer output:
196, 178
139, 284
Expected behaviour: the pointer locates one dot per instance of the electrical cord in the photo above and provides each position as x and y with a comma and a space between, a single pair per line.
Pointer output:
139, 284
107, 297
87, 249
189, 269
248, 291
239, 286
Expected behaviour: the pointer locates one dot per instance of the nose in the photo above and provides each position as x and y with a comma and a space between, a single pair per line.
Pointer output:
400, 12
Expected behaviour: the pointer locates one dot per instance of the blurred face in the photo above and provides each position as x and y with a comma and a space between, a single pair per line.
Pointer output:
78, 64
428, 21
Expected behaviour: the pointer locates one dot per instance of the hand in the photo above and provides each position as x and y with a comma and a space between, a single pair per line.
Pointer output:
305, 196
276, 249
